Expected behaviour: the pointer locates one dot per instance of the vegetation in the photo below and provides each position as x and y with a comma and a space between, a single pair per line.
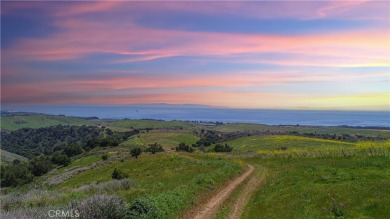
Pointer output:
15, 175
307, 172
34, 142
9, 158
154, 148
222, 148
184, 147
136, 152
60, 159
322, 188
15, 121
118, 174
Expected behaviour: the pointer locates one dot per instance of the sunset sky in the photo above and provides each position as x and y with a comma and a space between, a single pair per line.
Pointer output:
287, 54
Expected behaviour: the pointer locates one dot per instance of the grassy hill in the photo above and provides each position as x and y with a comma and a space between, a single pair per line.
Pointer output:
15, 122
322, 188
250, 127
168, 139
155, 124
282, 142
8, 157
302, 176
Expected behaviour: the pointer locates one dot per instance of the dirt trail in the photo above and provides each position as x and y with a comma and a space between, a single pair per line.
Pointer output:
209, 209
253, 183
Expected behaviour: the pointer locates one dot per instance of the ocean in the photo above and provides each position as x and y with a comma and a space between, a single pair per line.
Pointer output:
205, 113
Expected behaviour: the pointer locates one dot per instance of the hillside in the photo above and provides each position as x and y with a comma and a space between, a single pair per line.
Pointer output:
8, 157
93, 167
14, 122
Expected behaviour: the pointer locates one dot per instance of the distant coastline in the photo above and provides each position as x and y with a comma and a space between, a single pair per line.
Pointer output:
355, 119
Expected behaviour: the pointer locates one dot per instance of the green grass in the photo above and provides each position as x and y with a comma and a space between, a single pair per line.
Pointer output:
253, 144
39, 121
322, 188
8, 157
82, 162
172, 182
249, 127
167, 139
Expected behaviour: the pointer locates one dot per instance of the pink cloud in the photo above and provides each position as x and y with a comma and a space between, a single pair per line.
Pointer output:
81, 38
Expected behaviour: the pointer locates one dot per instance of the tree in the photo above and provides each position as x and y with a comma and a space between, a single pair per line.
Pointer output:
222, 148
105, 156
136, 152
60, 159
40, 165
154, 148
184, 147
118, 174
15, 175
73, 150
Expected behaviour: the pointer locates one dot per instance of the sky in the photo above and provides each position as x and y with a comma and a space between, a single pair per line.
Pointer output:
263, 54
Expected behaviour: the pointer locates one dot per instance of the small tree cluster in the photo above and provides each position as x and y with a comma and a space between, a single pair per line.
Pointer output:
135, 152
184, 147
154, 148
72, 150
15, 175
222, 148
60, 159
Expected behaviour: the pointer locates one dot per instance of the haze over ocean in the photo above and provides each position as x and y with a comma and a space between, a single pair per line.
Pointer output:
226, 115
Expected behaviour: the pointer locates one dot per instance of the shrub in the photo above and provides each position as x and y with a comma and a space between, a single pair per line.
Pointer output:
102, 206
222, 148
110, 186
154, 148
104, 156
184, 147
40, 165
136, 152
15, 175
73, 150
142, 208
118, 174
60, 159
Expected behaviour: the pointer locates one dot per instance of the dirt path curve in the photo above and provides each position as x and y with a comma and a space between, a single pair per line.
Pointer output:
253, 183
209, 209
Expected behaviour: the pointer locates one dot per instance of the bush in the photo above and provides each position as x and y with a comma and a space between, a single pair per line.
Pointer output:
136, 152
222, 148
102, 206
118, 174
15, 175
142, 208
110, 186
184, 147
154, 148
60, 159
73, 150
104, 156
40, 165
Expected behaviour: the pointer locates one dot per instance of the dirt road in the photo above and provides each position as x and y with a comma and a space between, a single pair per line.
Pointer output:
253, 183
209, 209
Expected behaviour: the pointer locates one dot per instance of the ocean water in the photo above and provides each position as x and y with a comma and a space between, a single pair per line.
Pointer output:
205, 113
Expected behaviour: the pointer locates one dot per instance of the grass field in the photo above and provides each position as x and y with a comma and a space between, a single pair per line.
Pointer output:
8, 157
252, 144
249, 127
39, 121
172, 183
322, 188
168, 139
304, 177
